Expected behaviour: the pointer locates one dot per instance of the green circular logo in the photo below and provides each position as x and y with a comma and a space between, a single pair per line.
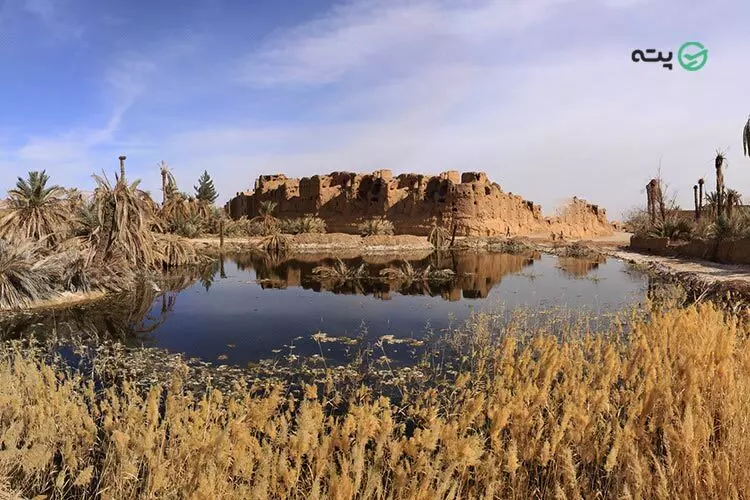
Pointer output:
692, 56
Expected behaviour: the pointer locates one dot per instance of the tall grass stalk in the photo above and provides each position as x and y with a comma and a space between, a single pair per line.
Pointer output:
659, 413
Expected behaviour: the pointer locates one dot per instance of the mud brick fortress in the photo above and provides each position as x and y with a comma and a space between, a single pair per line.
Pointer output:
414, 203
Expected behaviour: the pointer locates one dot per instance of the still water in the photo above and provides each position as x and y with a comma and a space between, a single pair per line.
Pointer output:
243, 308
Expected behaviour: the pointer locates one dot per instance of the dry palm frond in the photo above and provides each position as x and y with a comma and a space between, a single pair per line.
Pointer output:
23, 277
35, 211
374, 227
275, 244
126, 222
439, 237
174, 252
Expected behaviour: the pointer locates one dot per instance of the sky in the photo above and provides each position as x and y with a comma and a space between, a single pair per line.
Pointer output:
540, 94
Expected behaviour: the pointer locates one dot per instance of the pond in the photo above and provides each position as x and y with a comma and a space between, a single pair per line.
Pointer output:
244, 308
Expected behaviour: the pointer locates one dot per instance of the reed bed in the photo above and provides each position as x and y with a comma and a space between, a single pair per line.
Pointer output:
659, 412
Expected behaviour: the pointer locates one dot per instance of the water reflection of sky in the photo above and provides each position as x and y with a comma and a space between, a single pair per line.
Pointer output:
236, 311
248, 314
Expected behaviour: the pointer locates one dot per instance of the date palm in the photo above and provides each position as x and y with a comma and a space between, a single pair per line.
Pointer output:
720, 194
268, 223
125, 220
35, 210
168, 182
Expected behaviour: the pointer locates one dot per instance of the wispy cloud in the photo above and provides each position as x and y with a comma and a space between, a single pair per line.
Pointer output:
55, 15
378, 36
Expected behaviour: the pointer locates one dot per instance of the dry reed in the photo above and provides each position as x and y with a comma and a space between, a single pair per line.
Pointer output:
661, 412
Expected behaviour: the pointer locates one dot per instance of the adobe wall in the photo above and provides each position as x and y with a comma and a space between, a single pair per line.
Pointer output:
413, 202
727, 252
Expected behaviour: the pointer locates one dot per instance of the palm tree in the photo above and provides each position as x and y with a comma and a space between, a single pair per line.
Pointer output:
746, 138
719, 163
125, 223
122, 168
35, 210
734, 199
168, 182
269, 224
695, 197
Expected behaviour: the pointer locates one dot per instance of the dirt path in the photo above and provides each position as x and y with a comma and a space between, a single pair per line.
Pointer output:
709, 272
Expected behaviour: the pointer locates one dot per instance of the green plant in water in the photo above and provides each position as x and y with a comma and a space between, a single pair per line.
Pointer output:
341, 272
406, 272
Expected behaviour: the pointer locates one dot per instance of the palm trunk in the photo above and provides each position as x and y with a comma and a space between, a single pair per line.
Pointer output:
719, 189
163, 188
122, 168
660, 198
695, 197
700, 197
650, 201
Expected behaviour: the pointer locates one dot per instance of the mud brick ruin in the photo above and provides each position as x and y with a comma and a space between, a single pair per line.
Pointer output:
414, 203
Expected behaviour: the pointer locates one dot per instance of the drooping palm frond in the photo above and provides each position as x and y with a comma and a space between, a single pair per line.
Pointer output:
23, 277
265, 223
174, 252
276, 244
734, 198
168, 182
125, 222
746, 138
35, 211
439, 237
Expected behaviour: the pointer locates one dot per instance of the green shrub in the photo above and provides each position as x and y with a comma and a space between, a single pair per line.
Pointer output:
302, 225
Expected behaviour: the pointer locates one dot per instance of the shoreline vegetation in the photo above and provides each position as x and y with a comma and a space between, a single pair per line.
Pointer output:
635, 411
654, 405
59, 244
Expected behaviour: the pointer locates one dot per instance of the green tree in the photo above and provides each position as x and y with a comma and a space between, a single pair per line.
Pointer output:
35, 210
205, 190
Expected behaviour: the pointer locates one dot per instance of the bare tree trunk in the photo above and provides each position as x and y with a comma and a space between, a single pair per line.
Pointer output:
163, 188
695, 197
700, 197
221, 232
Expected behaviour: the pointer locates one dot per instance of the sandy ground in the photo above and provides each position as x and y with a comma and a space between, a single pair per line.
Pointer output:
65, 299
709, 272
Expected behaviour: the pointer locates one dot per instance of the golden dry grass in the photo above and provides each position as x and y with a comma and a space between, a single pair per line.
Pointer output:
663, 414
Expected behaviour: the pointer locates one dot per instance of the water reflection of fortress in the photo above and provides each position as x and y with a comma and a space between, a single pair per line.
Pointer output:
475, 275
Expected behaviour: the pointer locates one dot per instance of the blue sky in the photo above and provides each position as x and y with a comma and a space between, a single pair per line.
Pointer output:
541, 94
